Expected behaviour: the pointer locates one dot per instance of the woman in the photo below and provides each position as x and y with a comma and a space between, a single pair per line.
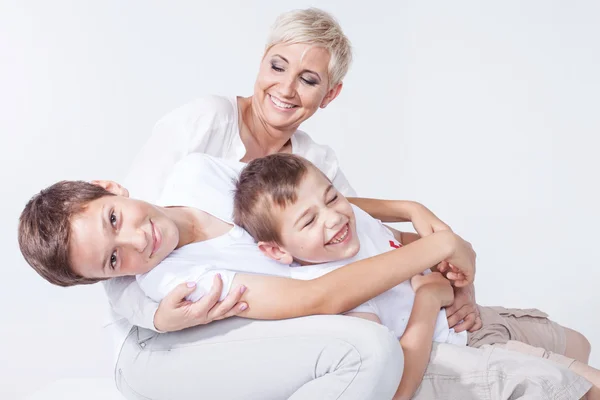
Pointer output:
305, 60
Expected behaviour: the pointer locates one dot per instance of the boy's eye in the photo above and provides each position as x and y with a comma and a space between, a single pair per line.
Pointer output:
113, 260
310, 222
333, 199
113, 218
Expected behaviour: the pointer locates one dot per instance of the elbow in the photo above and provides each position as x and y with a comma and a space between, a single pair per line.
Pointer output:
321, 301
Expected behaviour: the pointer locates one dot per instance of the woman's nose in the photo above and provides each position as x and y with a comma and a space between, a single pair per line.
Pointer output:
287, 87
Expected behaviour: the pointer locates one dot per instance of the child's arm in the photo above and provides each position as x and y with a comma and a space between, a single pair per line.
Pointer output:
271, 297
388, 210
433, 292
424, 221
403, 237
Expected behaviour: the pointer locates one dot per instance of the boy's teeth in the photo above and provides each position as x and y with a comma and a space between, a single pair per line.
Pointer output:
278, 103
341, 238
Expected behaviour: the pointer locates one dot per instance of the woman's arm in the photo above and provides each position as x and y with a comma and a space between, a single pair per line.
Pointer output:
127, 299
174, 313
345, 288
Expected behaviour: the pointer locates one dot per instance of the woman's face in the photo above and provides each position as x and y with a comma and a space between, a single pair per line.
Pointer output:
292, 83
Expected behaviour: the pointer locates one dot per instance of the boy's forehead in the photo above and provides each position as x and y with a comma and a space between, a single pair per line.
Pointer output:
315, 175
313, 184
86, 239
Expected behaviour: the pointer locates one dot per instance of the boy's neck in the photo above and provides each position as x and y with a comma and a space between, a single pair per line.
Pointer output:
195, 225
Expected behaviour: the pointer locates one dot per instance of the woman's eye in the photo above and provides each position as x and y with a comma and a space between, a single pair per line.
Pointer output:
309, 82
113, 218
310, 222
276, 68
332, 200
113, 260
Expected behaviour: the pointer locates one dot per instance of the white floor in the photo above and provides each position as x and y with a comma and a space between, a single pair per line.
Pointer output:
77, 389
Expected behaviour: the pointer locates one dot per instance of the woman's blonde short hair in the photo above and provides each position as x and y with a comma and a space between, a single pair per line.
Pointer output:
314, 26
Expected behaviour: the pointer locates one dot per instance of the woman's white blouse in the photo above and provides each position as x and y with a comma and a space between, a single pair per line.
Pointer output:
207, 125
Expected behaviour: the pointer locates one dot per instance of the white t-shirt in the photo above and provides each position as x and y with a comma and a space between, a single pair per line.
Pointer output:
205, 183
207, 125
394, 306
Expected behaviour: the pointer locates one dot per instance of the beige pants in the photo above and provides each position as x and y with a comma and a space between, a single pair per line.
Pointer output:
492, 373
530, 326
527, 331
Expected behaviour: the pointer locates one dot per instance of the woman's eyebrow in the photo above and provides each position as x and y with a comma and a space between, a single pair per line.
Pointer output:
282, 57
305, 70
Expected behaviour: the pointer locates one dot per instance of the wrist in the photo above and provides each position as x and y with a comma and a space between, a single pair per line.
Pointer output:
428, 294
447, 243
157, 324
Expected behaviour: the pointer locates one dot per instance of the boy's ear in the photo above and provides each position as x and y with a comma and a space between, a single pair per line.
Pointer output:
275, 252
112, 187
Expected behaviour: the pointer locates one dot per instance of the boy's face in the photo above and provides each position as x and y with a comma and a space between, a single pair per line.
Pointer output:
117, 236
320, 227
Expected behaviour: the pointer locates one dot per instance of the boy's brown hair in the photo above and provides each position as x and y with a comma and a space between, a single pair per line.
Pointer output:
45, 229
264, 183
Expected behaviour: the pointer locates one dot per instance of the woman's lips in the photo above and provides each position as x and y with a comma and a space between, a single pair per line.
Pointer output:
280, 104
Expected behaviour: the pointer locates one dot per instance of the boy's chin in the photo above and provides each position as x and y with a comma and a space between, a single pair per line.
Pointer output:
349, 251
352, 249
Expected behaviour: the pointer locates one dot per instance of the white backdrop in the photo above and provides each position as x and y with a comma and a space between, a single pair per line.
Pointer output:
487, 112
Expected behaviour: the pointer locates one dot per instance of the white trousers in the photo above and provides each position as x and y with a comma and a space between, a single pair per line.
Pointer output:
322, 358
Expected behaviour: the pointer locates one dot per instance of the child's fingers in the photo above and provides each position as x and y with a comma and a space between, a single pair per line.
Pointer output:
443, 266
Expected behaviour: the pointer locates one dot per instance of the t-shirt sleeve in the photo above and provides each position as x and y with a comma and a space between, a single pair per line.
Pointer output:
160, 281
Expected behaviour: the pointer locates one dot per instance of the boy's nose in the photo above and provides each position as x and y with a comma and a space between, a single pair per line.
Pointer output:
334, 220
137, 239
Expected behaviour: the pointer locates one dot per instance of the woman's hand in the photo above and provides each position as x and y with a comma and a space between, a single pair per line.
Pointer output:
176, 313
463, 314
424, 221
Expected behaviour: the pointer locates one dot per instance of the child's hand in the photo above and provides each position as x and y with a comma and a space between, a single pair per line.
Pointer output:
462, 262
436, 285
446, 268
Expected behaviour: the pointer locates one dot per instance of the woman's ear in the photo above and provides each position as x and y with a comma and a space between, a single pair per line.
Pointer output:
112, 187
275, 252
332, 94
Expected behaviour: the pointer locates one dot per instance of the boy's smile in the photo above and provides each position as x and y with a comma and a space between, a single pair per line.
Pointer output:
320, 226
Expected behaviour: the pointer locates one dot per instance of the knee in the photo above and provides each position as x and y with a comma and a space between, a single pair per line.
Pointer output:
381, 355
583, 343
578, 347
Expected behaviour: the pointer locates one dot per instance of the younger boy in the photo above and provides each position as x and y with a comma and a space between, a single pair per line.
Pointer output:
297, 216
